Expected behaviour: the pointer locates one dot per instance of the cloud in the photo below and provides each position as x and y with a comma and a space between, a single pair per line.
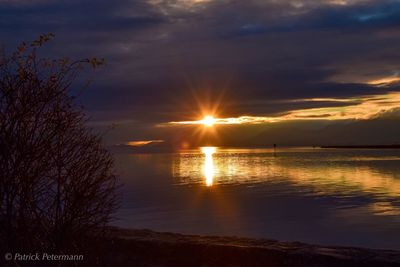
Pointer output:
143, 143
256, 58
362, 108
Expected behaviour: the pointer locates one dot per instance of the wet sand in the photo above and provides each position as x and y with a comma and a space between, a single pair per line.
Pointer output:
125, 247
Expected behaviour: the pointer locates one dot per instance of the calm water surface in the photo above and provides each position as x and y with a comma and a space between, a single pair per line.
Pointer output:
335, 197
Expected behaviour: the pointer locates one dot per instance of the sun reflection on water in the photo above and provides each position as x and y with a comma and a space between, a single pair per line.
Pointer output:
209, 169
339, 175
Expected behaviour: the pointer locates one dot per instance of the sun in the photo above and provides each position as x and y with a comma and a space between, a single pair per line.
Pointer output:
208, 121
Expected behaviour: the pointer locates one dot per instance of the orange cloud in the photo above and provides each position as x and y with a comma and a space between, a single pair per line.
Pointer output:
384, 81
143, 143
367, 107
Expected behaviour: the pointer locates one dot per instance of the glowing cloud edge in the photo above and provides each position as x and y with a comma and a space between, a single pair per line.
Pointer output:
368, 107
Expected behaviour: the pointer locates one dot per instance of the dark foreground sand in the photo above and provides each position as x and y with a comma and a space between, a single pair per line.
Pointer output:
148, 248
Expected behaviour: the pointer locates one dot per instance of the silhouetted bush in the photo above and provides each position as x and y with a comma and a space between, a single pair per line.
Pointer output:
57, 181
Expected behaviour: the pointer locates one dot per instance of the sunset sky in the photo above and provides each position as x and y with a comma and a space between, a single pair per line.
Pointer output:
287, 72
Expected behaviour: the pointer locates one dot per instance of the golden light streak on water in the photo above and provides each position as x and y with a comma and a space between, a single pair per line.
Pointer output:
343, 175
209, 169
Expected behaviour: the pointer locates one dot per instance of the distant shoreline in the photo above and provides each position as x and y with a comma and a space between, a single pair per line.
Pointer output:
366, 146
125, 149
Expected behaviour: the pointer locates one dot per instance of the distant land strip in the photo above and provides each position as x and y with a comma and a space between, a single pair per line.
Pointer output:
366, 146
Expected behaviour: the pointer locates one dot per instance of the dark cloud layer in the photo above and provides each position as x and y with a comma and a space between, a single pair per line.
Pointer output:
253, 57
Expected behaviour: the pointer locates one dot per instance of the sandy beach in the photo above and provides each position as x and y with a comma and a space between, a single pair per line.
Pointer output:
148, 248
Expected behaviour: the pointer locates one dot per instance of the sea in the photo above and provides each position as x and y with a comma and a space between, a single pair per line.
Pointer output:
338, 197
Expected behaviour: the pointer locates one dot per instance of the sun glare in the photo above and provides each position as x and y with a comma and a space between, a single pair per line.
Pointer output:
209, 170
208, 121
